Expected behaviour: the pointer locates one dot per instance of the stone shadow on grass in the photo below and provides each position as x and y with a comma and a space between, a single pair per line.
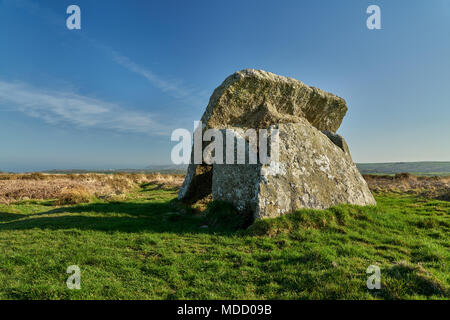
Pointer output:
169, 216
8, 216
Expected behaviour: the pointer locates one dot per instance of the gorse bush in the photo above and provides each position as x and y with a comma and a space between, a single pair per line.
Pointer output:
74, 196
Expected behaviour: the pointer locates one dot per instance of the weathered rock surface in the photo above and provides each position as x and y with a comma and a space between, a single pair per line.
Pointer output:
312, 172
257, 99
246, 91
315, 169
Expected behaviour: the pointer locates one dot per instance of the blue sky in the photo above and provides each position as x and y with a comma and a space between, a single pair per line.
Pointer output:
110, 94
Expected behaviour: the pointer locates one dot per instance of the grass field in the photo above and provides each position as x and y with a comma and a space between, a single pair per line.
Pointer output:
149, 246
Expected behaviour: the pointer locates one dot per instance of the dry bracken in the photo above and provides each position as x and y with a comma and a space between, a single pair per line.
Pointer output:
75, 188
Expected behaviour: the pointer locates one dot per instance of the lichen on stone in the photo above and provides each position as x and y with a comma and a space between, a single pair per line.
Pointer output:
314, 168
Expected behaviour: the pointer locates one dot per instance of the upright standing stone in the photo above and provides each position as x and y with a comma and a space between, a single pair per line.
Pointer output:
312, 172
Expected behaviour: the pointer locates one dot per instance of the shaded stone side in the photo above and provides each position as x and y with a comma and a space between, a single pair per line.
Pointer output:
241, 185
197, 184
337, 140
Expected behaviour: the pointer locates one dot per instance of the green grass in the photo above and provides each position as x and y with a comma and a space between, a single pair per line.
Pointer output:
152, 247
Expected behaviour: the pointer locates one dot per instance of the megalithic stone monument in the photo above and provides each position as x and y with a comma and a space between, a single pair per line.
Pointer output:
314, 169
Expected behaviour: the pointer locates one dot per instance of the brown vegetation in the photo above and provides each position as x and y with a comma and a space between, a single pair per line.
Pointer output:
430, 187
74, 195
76, 188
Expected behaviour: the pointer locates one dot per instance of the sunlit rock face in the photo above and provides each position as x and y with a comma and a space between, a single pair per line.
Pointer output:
314, 169
312, 172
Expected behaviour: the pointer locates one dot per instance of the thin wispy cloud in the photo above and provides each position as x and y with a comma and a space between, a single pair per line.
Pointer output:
55, 107
173, 87
180, 92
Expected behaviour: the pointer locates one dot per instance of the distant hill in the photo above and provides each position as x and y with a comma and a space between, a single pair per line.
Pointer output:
167, 168
422, 168
170, 169
427, 168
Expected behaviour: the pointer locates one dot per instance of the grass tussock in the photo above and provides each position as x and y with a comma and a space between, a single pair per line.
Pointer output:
74, 195
406, 279
334, 218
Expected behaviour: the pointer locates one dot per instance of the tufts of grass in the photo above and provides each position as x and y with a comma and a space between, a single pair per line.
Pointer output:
404, 280
147, 245
334, 218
